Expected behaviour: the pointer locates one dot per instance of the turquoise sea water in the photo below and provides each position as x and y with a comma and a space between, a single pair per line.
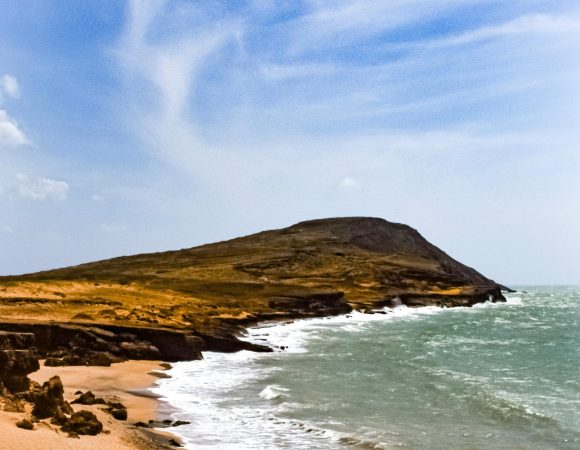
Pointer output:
501, 376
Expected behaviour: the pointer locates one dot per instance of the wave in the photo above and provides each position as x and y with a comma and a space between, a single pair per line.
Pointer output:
273, 391
509, 409
333, 437
496, 404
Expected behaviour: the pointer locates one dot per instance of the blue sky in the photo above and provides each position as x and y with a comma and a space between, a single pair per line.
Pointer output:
155, 125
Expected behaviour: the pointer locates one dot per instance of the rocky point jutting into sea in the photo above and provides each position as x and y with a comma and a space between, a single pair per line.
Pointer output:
173, 305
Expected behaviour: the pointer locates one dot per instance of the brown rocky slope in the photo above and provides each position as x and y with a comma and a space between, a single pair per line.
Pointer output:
199, 297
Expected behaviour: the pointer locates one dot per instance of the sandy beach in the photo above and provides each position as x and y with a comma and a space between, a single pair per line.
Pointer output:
124, 382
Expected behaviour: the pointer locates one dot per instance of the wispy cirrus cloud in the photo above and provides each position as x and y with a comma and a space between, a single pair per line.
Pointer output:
170, 66
527, 24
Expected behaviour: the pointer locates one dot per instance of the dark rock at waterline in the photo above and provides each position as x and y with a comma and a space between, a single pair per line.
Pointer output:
162, 423
178, 423
506, 289
117, 410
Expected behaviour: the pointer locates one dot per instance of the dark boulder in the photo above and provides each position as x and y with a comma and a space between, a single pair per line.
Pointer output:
25, 424
88, 398
82, 423
118, 411
49, 401
119, 414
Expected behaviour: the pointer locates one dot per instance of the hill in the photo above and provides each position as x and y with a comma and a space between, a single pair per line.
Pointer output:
317, 267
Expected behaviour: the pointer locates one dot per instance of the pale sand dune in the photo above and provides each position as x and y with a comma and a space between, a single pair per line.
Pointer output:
112, 383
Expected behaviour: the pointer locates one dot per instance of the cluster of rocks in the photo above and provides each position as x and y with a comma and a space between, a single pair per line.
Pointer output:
17, 390
17, 360
116, 409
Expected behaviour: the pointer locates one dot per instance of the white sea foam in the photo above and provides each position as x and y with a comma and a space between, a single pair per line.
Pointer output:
273, 391
513, 299
292, 337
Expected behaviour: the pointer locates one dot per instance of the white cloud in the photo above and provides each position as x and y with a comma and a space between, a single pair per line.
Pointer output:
332, 24
41, 188
10, 133
10, 85
349, 183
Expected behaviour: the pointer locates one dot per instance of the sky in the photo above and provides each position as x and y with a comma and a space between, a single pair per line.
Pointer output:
143, 126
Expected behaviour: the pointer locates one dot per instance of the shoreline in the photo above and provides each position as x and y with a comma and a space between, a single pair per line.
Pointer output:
127, 382
284, 336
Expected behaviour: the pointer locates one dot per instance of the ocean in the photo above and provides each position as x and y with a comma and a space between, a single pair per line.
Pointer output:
495, 376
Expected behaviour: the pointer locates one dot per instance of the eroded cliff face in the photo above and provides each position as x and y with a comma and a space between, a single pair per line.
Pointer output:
313, 268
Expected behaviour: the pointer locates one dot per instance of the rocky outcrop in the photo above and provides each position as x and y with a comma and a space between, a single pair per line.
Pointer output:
315, 304
17, 341
18, 358
229, 343
64, 344
15, 365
